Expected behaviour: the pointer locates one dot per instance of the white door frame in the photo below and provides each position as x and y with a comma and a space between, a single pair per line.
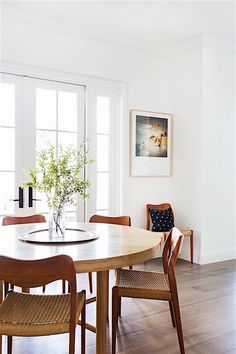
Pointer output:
122, 126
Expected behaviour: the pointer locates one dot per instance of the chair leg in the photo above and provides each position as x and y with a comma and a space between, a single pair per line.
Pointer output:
68, 288
90, 276
25, 290
83, 321
172, 314
115, 309
119, 306
9, 344
131, 267
63, 286
72, 342
191, 247
175, 303
44, 288
6, 288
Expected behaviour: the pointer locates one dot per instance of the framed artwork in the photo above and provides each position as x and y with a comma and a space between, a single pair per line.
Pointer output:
150, 143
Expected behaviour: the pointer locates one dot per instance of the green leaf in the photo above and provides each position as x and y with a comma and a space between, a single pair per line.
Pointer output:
60, 176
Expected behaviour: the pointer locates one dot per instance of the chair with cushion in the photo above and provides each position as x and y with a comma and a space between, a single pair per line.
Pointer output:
23, 314
118, 220
161, 218
151, 285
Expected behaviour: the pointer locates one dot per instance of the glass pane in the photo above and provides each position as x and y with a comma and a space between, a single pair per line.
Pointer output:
41, 204
103, 114
44, 139
102, 212
71, 208
7, 192
102, 152
66, 139
71, 217
7, 143
46, 104
67, 111
102, 191
7, 104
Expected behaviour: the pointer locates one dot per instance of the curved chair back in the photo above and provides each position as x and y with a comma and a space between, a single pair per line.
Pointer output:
14, 220
34, 273
119, 220
171, 251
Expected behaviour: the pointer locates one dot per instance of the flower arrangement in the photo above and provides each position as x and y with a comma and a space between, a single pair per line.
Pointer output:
59, 176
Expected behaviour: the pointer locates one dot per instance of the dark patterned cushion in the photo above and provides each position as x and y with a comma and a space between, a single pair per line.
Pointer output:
162, 220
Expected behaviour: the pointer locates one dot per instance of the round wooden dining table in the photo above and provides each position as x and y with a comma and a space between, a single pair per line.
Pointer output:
116, 247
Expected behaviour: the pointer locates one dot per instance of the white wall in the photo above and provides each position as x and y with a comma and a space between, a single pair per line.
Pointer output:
203, 95
218, 153
186, 89
156, 83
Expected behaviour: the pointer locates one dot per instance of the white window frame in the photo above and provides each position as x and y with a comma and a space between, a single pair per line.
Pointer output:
92, 85
115, 161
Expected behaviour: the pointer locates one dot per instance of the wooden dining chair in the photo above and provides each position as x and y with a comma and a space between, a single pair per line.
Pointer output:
23, 314
164, 213
151, 285
118, 220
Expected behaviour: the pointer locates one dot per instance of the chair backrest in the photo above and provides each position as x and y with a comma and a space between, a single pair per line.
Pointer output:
14, 220
161, 207
172, 249
119, 220
35, 273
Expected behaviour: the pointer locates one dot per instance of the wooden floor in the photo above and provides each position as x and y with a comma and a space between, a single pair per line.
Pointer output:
208, 307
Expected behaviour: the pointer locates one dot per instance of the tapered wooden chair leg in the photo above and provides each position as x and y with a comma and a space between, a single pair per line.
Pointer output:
72, 342
9, 344
83, 320
64, 287
115, 309
172, 314
6, 288
178, 324
90, 276
191, 247
119, 306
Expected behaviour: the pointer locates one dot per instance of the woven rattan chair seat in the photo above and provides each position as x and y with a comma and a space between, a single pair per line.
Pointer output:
143, 280
31, 315
186, 232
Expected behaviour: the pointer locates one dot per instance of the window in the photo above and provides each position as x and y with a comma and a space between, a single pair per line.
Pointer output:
51, 112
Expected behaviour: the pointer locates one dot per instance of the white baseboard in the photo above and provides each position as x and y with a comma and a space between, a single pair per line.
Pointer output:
212, 256
218, 256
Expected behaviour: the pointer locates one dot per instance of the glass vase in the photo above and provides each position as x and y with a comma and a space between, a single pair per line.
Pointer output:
57, 223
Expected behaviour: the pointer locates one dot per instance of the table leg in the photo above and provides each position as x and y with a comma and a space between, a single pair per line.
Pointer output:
101, 311
107, 289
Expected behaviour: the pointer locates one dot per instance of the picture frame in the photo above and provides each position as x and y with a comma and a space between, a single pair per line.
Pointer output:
151, 150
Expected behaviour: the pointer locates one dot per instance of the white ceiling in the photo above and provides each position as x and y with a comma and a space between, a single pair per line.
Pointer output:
143, 24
